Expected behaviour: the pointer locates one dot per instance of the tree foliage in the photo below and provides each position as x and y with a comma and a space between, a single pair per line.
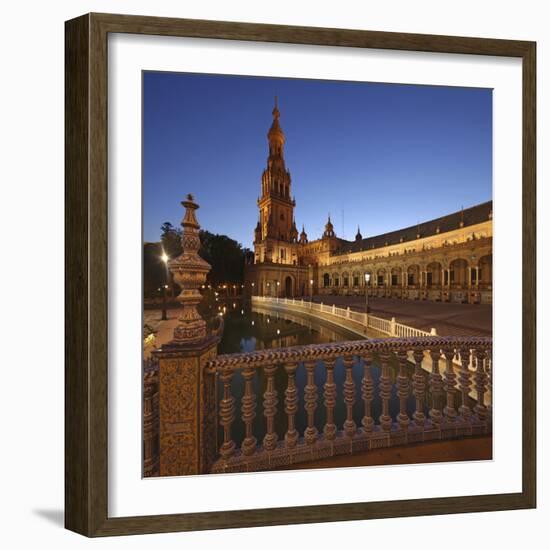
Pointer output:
225, 255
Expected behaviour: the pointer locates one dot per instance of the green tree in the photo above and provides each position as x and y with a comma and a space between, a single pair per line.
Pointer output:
170, 239
225, 255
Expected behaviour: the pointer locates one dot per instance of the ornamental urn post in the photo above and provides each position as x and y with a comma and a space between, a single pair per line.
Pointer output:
187, 391
189, 271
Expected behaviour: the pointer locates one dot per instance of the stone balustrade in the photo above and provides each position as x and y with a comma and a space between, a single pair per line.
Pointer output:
451, 400
354, 321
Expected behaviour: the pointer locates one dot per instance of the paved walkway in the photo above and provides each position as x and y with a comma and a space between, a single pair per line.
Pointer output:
469, 448
447, 318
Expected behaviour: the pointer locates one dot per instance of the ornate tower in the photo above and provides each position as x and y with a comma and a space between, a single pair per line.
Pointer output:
276, 204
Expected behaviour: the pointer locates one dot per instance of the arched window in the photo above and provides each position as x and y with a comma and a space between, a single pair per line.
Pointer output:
326, 280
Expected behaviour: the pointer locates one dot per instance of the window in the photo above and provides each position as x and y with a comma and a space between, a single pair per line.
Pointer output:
394, 280
326, 280
410, 278
380, 280
336, 281
355, 280
429, 279
346, 281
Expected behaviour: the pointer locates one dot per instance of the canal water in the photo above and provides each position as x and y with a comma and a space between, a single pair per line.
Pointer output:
246, 329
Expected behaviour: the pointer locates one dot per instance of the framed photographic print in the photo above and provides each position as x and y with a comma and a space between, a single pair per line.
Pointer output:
300, 274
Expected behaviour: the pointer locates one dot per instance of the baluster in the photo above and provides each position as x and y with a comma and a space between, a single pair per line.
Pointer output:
349, 397
248, 409
310, 398
464, 383
291, 405
449, 386
436, 388
489, 372
385, 393
419, 388
330, 400
480, 379
403, 390
367, 394
270, 408
227, 414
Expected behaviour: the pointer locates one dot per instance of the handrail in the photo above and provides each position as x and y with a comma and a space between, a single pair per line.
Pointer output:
311, 352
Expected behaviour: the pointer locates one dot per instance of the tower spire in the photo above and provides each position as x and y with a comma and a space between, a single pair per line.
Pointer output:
277, 221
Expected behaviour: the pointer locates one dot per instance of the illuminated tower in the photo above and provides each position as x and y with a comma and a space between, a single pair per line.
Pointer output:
276, 203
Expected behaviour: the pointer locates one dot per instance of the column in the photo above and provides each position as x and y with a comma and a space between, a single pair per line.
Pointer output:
310, 400
330, 400
248, 410
270, 408
291, 405
349, 397
385, 387
227, 415
187, 425
367, 395
419, 389
464, 384
449, 386
435, 382
402, 384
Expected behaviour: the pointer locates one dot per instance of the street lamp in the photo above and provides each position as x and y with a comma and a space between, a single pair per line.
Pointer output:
165, 259
252, 291
367, 280
311, 290
278, 285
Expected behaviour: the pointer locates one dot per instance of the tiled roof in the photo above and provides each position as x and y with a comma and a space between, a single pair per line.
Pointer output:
471, 216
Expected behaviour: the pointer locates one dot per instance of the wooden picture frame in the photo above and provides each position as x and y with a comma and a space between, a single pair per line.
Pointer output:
86, 222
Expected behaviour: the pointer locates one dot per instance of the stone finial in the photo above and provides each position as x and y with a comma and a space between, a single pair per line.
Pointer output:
189, 271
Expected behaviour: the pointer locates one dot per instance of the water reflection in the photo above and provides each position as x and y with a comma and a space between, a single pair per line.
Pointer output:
249, 330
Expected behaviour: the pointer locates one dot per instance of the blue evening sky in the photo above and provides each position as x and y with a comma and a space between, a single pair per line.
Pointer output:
383, 156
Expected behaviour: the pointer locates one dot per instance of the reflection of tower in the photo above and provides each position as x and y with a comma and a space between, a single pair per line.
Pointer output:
275, 204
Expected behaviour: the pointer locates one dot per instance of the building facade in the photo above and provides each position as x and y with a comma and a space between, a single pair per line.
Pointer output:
445, 259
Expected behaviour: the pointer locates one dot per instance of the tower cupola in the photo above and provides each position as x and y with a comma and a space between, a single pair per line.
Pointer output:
329, 229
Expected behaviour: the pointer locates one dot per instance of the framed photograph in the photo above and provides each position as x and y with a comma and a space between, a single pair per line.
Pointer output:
300, 275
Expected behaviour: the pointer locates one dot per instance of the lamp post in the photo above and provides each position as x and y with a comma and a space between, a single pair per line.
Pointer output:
165, 259
311, 290
252, 291
278, 291
367, 280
